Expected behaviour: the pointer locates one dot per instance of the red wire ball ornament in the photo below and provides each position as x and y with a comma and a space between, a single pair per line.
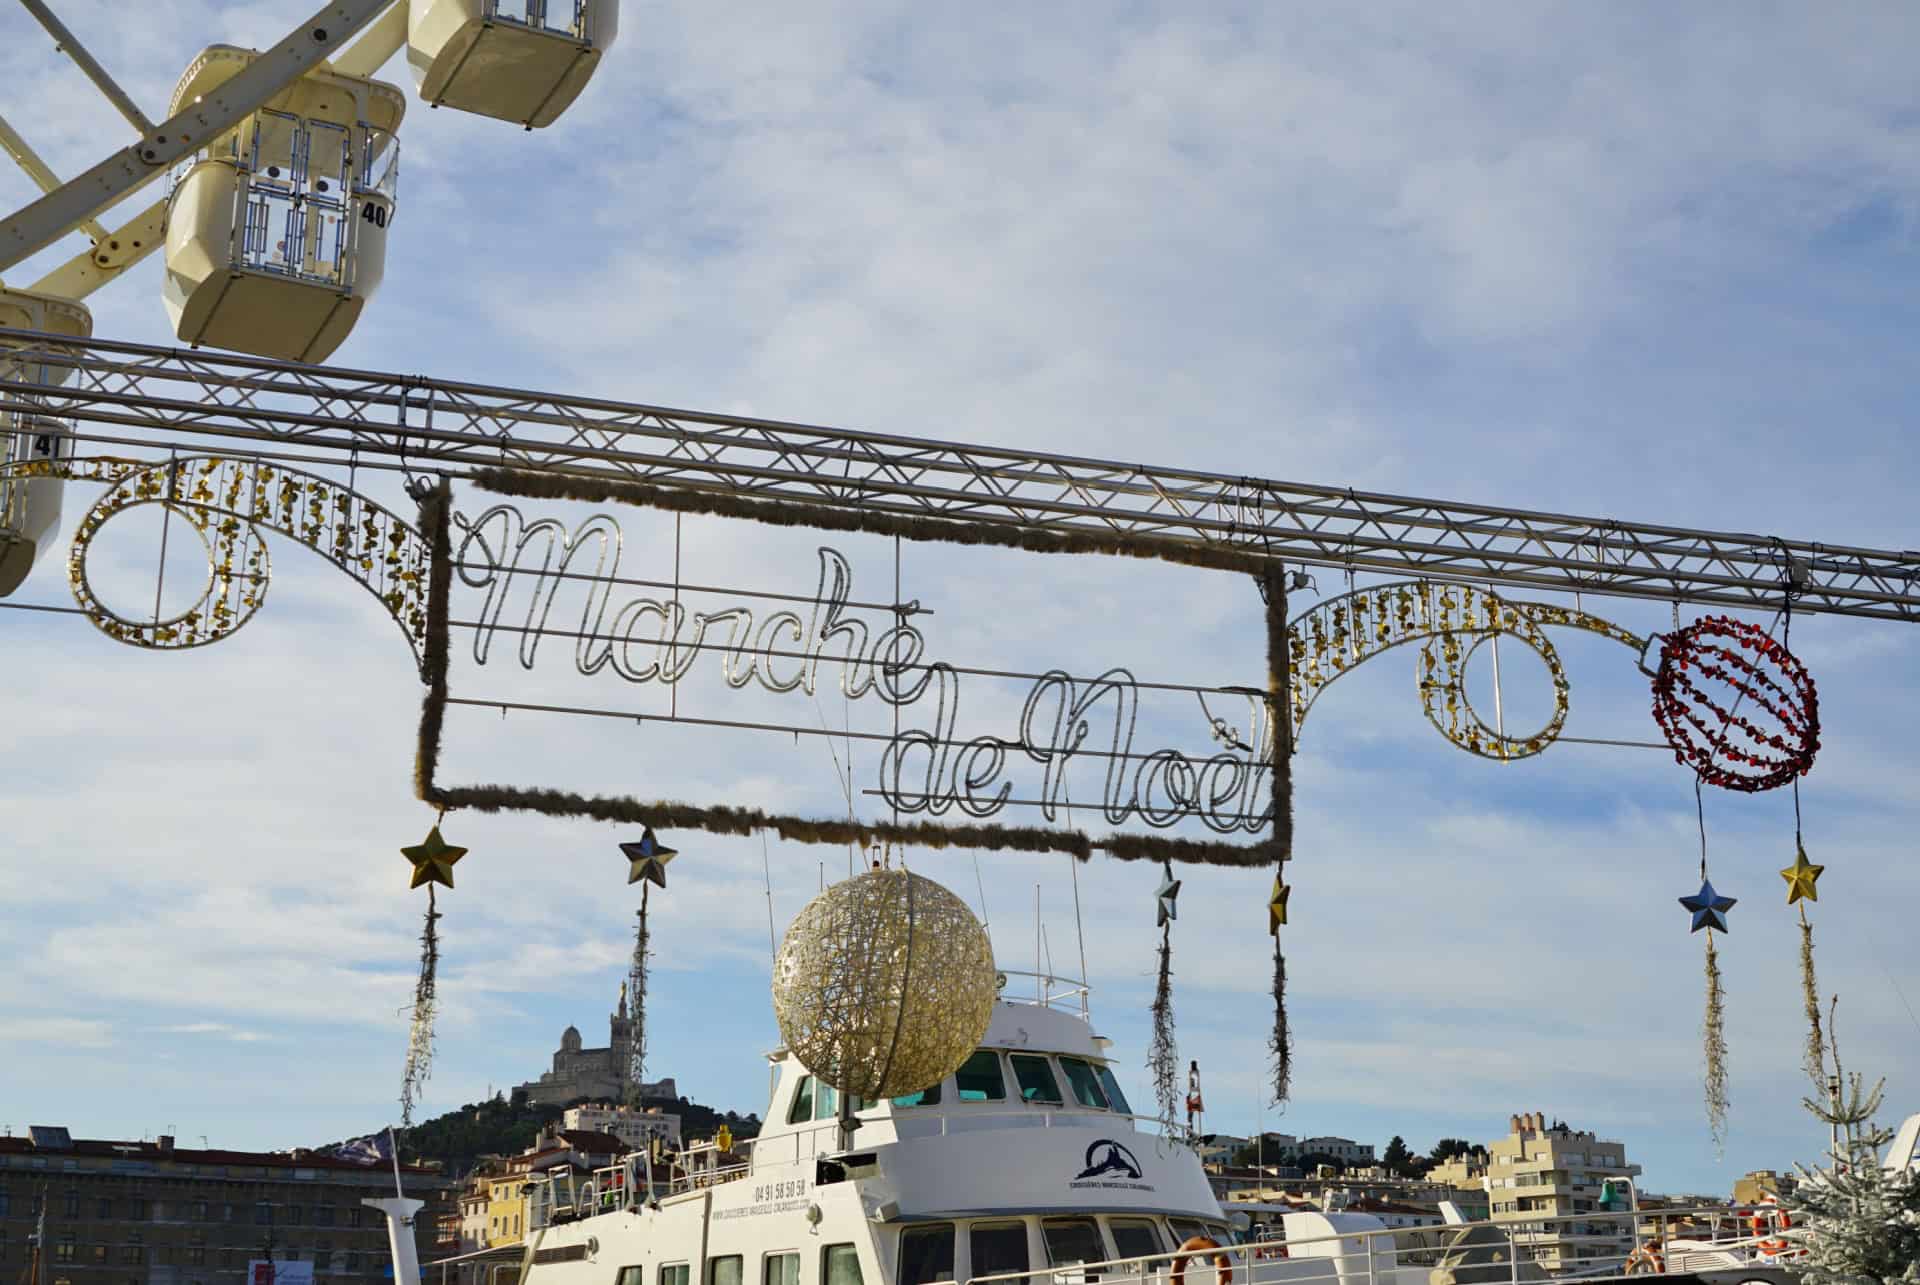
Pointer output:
1736, 706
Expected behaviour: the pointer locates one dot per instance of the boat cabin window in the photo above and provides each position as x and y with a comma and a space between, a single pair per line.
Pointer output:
840, 1265
724, 1271
631, 1276
1084, 1083
978, 1080
780, 1269
813, 1100
1072, 1240
998, 1248
802, 1109
1134, 1237
926, 1254
1036, 1079
1185, 1229
1115, 1098
675, 1273
927, 1097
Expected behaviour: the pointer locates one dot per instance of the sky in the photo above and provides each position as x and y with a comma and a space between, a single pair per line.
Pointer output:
1625, 261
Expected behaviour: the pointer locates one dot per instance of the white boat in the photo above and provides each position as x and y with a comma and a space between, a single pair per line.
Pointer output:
1026, 1166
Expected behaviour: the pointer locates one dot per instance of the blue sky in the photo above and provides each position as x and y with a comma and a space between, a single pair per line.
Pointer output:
1624, 261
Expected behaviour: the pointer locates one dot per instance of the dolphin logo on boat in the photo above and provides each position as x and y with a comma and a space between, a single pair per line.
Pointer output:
1113, 1158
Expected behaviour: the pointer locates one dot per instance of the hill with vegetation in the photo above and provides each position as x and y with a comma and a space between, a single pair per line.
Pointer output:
507, 1126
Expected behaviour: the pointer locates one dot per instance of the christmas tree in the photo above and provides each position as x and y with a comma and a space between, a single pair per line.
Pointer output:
1858, 1222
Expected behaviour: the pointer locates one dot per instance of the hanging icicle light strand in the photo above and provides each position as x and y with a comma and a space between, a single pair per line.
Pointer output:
1162, 1059
1280, 1043
637, 1004
1815, 1055
420, 1032
1714, 1035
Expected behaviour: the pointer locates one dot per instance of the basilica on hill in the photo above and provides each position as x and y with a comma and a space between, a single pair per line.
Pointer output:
599, 1074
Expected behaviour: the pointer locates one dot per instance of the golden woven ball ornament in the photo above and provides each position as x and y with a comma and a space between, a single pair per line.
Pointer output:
884, 984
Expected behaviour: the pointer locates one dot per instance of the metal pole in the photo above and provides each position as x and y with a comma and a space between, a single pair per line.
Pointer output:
70, 46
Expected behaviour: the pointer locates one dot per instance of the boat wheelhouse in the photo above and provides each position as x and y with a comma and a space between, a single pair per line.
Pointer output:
1027, 1157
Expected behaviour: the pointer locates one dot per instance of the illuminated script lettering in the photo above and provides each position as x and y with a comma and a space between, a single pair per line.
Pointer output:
524, 571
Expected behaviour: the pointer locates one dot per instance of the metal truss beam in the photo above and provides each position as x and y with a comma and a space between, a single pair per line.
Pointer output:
168, 399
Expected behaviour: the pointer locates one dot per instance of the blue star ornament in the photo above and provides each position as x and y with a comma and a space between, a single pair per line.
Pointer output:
1709, 908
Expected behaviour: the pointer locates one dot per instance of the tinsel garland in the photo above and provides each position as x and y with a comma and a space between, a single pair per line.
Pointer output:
420, 1033
435, 524
1714, 1035
637, 1004
1273, 589
1162, 1058
1280, 1043
1815, 1054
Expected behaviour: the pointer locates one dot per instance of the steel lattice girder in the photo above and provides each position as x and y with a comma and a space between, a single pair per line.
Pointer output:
167, 398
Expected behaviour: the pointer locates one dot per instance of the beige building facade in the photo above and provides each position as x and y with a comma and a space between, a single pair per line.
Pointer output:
1541, 1177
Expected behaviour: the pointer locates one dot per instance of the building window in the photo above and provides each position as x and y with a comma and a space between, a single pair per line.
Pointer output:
139, 1209
100, 1255
323, 1257
63, 1249
295, 1215
351, 1265
323, 1215
200, 1211
262, 1214
72, 1203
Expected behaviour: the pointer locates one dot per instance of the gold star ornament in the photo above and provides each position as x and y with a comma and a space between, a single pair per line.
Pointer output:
647, 859
1800, 877
433, 860
1277, 906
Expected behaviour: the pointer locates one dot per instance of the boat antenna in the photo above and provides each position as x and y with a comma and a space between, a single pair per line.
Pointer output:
1039, 981
1049, 944
985, 922
1080, 932
393, 1144
766, 872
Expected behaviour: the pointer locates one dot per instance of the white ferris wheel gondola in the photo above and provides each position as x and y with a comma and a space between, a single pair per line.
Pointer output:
518, 60
29, 504
277, 234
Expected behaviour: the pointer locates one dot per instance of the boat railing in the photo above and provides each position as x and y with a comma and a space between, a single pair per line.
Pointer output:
1586, 1246
1048, 990
821, 1139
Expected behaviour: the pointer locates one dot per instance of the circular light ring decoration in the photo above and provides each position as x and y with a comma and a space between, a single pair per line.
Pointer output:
1334, 637
1714, 671
884, 984
1444, 699
227, 501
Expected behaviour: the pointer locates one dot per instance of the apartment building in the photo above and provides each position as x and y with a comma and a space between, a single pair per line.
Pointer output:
1540, 1177
152, 1213
633, 1126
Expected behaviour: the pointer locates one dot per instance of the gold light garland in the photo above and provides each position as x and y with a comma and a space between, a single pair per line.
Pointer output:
225, 501
1451, 621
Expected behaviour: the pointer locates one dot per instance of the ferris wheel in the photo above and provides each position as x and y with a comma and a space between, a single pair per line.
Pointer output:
281, 169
